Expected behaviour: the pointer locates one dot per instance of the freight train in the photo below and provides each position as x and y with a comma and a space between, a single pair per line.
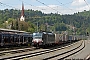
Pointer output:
16, 37
48, 38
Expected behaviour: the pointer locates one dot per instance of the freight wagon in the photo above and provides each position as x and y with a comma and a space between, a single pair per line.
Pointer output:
14, 37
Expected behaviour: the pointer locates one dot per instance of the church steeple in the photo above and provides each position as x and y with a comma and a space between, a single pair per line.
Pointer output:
22, 18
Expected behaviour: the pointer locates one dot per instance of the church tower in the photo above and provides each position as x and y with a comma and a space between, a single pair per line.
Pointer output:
22, 18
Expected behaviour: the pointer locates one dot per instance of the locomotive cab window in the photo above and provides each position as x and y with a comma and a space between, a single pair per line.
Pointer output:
37, 35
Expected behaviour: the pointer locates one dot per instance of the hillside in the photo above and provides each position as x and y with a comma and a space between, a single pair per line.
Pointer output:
77, 23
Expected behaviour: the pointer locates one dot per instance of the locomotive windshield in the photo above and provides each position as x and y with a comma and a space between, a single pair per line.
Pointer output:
37, 35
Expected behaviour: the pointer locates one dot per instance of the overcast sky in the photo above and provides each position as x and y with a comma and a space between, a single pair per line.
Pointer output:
48, 6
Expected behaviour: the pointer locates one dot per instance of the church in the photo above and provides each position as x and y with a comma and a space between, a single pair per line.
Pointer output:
22, 18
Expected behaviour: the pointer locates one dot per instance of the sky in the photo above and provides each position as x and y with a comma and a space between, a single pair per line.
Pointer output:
48, 6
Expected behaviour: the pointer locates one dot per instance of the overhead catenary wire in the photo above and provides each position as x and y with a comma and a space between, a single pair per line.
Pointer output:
32, 5
7, 5
25, 2
47, 6
87, 4
65, 5
3, 4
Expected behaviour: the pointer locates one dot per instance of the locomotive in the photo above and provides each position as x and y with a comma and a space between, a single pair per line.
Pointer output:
43, 38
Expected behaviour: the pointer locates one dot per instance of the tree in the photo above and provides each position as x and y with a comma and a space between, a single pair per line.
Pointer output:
60, 27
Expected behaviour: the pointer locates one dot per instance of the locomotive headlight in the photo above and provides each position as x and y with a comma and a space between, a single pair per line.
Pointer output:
37, 41
32, 40
42, 40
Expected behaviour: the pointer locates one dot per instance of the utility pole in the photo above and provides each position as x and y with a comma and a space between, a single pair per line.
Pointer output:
37, 26
46, 26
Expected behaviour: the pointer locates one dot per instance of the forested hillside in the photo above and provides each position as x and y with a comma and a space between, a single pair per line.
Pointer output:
77, 23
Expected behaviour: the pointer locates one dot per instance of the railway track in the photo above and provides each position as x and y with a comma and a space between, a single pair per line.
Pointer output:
88, 57
66, 54
16, 51
37, 53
